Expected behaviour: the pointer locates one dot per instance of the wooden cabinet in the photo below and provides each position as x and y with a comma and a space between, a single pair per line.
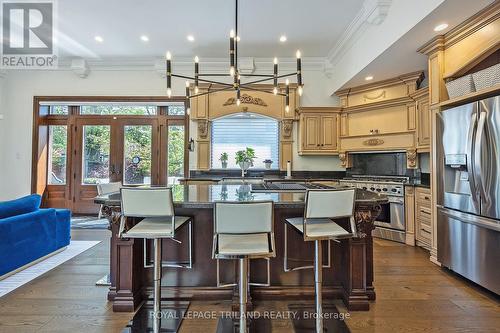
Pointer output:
423, 217
318, 131
421, 97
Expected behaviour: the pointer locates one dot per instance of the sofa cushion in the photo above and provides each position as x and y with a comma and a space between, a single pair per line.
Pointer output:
24, 205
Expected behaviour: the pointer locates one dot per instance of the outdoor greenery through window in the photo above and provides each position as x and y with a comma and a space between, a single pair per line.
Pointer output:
109, 109
175, 157
96, 148
177, 109
237, 132
137, 154
58, 145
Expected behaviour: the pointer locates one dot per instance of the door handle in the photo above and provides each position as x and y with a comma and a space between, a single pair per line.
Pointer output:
112, 169
470, 157
478, 150
119, 170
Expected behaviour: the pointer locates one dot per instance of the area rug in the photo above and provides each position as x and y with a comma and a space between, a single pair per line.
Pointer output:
20, 278
88, 222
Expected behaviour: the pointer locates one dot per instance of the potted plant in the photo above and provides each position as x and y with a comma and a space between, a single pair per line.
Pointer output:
223, 159
244, 158
268, 163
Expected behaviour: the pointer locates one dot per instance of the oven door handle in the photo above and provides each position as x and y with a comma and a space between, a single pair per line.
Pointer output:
396, 200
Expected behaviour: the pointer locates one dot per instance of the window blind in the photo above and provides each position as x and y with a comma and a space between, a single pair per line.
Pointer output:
237, 132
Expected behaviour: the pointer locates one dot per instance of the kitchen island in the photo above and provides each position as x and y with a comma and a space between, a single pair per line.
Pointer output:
349, 276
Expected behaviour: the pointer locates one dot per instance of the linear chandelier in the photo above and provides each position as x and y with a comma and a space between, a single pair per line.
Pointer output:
234, 73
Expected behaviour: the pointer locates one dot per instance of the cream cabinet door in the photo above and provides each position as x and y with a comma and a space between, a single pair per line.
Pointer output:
423, 123
311, 138
329, 133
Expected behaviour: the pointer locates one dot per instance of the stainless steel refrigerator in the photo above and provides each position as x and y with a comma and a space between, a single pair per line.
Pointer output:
468, 191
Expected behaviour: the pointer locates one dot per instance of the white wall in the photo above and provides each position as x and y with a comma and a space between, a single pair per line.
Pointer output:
425, 162
20, 86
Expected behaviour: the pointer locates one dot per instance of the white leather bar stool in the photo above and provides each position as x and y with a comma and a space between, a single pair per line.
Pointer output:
323, 207
107, 188
243, 230
156, 206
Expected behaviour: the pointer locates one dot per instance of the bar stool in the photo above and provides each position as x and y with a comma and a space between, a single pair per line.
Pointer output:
243, 230
317, 224
107, 188
156, 206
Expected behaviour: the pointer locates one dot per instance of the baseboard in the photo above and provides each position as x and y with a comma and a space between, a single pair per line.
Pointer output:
36, 261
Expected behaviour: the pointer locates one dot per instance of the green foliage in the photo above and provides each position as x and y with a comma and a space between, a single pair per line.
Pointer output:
224, 157
176, 151
247, 155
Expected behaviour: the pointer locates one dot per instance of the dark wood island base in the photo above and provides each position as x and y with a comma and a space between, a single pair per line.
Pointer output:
350, 276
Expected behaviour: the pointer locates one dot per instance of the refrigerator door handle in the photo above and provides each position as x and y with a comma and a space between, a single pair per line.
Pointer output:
470, 163
478, 150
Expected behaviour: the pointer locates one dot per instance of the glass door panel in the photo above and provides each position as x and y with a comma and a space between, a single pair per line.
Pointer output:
96, 154
175, 153
137, 154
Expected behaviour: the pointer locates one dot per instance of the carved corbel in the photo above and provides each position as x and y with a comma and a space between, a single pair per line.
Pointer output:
344, 159
203, 129
286, 128
411, 159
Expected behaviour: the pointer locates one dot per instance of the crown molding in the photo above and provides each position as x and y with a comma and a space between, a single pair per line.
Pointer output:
372, 12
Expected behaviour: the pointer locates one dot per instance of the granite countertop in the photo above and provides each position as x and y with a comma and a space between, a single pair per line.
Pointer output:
265, 178
204, 196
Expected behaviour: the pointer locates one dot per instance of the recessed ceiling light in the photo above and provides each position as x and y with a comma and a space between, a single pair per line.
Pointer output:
190, 38
99, 39
145, 38
368, 78
441, 27
283, 38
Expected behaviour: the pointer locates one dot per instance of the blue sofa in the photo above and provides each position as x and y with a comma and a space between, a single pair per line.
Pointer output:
29, 233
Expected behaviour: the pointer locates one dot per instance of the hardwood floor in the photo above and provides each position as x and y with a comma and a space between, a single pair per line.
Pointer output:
413, 295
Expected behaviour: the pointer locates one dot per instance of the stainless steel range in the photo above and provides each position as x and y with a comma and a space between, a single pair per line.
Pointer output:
391, 222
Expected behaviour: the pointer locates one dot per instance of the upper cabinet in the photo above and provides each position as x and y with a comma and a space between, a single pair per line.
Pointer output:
318, 131
421, 97
382, 116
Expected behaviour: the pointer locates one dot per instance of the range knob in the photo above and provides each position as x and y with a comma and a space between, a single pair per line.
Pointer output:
378, 190
384, 189
365, 188
394, 190
372, 188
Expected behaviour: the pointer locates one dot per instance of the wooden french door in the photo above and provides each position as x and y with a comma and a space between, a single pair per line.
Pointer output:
112, 149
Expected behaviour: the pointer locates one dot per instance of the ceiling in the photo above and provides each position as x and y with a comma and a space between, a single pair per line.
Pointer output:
402, 57
312, 26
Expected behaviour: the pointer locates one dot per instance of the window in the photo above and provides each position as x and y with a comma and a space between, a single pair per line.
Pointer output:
110, 109
58, 145
137, 154
96, 147
176, 138
57, 110
177, 109
236, 132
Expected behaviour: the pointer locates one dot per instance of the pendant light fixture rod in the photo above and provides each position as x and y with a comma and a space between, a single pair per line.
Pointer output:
270, 78
211, 91
236, 39
202, 80
245, 87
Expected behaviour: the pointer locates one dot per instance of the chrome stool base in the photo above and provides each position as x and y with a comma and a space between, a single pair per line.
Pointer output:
305, 323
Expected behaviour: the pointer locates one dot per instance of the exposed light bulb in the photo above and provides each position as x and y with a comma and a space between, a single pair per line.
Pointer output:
238, 102
298, 54
275, 91
287, 109
238, 38
196, 59
300, 90
169, 92
196, 90
275, 61
187, 84
231, 33
287, 82
168, 55
231, 71
188, 111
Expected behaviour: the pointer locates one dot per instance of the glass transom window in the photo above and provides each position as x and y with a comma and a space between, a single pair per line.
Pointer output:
242, 130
